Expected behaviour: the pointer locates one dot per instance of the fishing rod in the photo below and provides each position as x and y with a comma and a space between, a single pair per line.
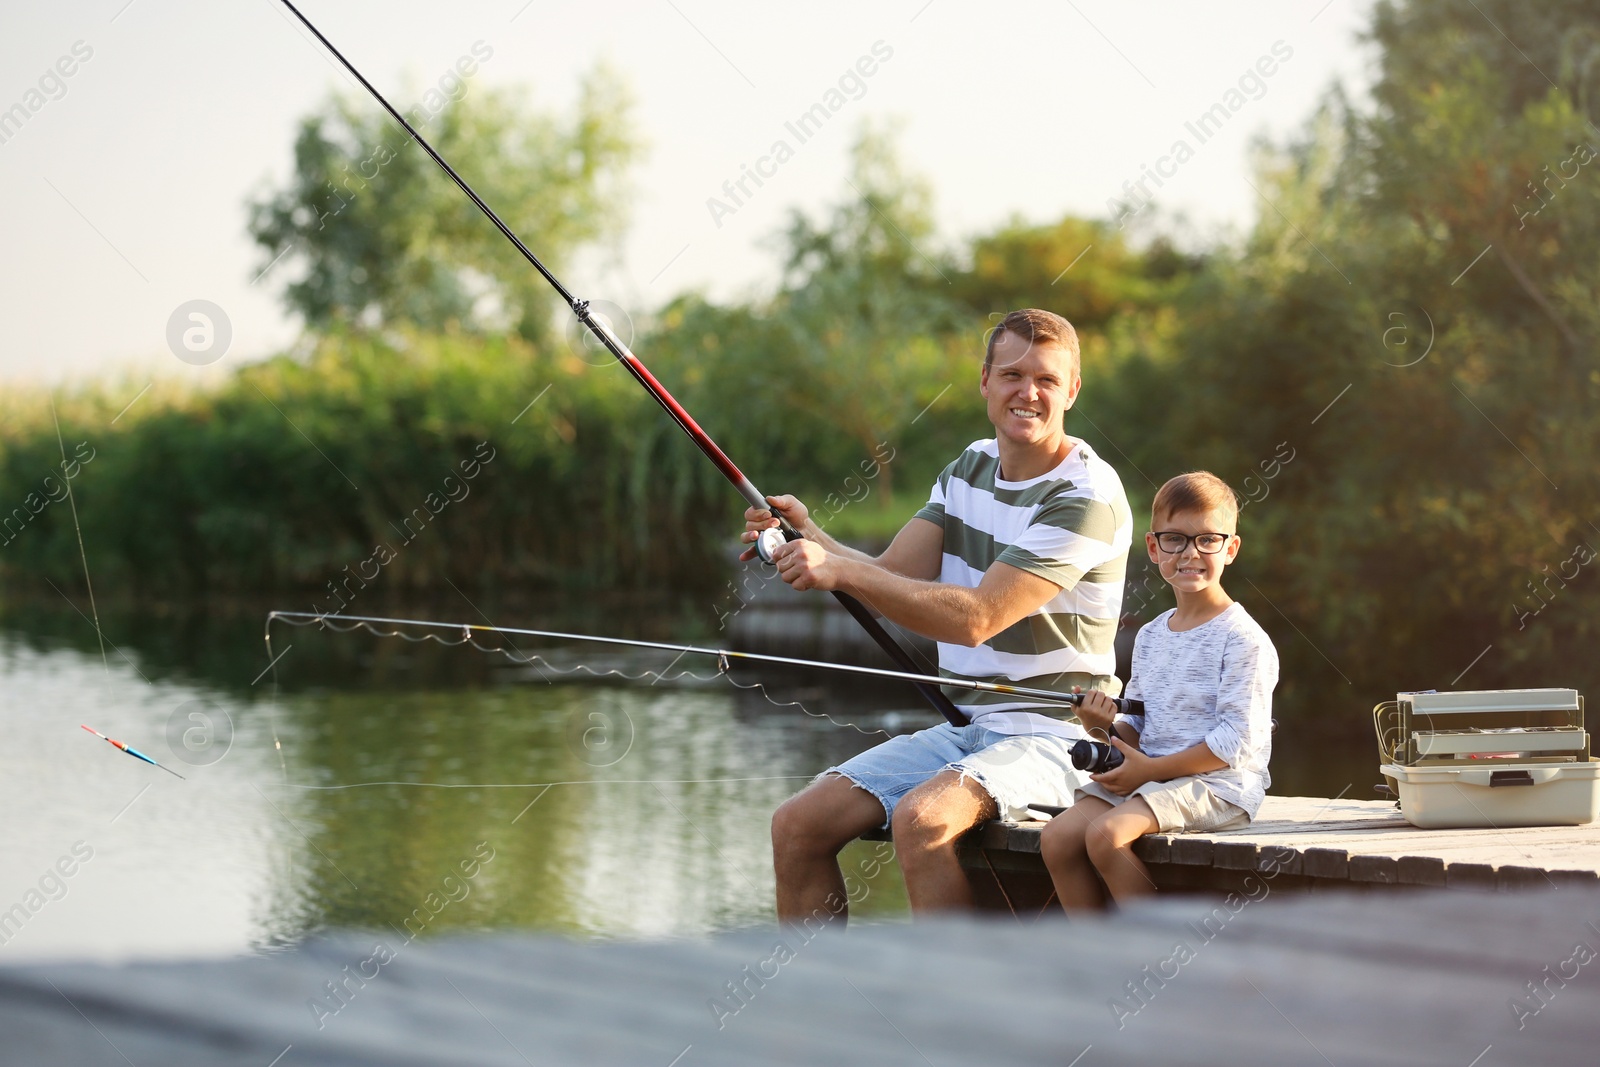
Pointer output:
723, 655
603, 333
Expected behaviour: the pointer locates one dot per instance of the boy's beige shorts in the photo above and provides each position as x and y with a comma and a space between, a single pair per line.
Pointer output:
1181, 804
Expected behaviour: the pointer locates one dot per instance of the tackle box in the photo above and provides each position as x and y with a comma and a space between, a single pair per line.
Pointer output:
1489, 758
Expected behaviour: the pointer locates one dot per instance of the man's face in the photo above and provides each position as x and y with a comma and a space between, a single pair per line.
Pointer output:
1029, 387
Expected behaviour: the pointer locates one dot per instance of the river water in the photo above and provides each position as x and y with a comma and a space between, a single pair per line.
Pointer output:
364, 782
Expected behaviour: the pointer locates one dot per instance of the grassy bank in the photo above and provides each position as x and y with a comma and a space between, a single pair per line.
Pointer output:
405, 463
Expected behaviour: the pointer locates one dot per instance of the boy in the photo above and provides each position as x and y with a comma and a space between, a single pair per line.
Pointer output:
1197, 758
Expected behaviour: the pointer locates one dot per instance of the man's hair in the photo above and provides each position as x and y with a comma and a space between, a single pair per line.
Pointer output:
1197, 491
1036, 327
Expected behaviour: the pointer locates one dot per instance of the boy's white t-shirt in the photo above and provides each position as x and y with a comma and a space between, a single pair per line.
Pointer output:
1214, 684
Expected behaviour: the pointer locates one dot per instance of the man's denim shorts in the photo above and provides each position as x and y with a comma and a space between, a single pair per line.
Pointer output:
1016, 769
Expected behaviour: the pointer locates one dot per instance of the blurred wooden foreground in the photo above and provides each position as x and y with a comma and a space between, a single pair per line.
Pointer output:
1432, 977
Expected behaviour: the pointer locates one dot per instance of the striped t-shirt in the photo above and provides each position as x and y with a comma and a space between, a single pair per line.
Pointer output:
1071, 526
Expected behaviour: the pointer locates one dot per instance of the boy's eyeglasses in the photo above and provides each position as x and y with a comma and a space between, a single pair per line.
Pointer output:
1173, 543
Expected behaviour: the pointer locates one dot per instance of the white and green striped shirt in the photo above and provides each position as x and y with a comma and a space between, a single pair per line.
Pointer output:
1071, 526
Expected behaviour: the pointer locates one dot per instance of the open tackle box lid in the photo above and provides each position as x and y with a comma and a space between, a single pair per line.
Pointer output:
1489, 701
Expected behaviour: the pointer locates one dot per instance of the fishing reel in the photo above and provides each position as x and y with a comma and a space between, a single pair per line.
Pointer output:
767, 542
1096, 757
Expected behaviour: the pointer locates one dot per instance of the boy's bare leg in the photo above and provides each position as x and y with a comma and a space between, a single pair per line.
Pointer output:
1110, 843
808, 830
927, 822
1063, 844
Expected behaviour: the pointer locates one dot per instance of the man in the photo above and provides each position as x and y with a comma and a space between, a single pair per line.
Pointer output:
1015, 567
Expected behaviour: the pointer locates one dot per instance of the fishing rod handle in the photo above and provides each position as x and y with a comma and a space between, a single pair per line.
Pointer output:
1125, 705
746, 488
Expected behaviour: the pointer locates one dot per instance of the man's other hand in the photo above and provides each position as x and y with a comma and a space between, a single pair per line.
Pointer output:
758, 519
807, 565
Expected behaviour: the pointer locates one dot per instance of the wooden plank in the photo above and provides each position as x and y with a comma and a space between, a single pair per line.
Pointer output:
985, 859
1235, 855
1575, 879
1192, 850
1421, 870
1514, 877
1469, 876
1025, 837
1280, 859
1154, 848
1325, 863
1384, 870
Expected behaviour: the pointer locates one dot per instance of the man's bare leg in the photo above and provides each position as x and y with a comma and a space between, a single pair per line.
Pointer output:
808, 830
927, 823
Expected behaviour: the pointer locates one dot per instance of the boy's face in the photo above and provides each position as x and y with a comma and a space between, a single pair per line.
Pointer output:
1189, 570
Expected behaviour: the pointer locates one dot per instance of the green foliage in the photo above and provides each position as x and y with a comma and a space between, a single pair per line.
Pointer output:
1402, 539
382, 236
1413, 319
295, 472
872, 344
832, 370
1080, 268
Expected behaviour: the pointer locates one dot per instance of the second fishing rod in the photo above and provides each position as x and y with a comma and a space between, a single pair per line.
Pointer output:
1086, 753
604, 334
723, 655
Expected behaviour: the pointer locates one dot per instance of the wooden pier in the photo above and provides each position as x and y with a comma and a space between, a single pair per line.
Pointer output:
1306, 843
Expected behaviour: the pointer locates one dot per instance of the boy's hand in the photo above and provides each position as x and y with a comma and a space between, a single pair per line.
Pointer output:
758, 519
1134, 771
1096, 711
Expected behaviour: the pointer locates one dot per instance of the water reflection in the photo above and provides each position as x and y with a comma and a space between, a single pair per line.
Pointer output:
367, 783
592, 809
175, 866
666, 837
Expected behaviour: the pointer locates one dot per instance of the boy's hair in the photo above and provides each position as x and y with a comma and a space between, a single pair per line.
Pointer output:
1196, 491
1034, 325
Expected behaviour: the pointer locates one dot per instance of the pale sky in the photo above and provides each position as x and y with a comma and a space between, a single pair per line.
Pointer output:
124, 185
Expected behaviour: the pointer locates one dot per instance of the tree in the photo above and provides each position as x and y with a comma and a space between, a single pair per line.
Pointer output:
1081, 269
1414, 316
823, 378
382, 236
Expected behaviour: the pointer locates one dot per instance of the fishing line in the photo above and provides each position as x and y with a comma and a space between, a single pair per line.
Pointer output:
79, 529
550, 785
723, 655
272, 702
537, 662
